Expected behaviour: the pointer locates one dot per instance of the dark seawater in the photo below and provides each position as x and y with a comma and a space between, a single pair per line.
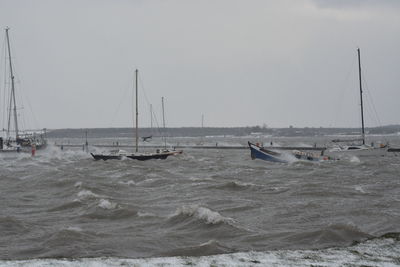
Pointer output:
63, 204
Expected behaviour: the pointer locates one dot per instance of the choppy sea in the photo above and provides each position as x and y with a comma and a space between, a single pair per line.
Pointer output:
206, 207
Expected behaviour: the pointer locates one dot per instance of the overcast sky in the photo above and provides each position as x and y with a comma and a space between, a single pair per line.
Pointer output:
240, 63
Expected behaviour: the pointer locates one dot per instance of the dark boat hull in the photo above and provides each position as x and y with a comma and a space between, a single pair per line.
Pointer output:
260, 153
150, 156
105, 157
141, 157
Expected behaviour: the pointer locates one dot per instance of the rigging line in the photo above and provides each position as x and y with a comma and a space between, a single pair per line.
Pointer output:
147, 99
7, 82
372, 105
120, 104
370, 100
9, 109
370, 97
23, 98
157, 124
148, 103
3, 92
35, 121
141, 84
22, 115
345, 87
156, 121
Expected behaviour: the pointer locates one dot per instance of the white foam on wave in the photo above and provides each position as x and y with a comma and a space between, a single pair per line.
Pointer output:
379, 252
53, 152
86, 194
355, 159
106, 204
204, 214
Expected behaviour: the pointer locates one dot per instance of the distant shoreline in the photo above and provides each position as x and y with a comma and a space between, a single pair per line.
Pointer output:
218, 131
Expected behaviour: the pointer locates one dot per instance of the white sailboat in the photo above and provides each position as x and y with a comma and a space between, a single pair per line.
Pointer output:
357, 149
13, 139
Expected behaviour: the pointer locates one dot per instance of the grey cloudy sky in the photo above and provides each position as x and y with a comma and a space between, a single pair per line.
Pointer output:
240, 63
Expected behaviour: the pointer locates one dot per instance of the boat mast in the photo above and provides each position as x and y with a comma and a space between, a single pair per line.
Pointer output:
151, 118
137, 109
361, 98
163, 118
12, 99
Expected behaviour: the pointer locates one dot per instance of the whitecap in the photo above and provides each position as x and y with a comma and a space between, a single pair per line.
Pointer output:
204, 214
106, 204
86, 194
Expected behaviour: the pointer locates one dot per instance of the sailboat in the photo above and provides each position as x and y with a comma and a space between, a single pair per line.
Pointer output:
120, 154
357, 149
22, 140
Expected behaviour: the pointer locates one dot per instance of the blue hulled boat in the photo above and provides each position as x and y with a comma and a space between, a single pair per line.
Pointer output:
258, 152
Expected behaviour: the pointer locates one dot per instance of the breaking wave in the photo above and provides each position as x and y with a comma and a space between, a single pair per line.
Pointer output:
202, 214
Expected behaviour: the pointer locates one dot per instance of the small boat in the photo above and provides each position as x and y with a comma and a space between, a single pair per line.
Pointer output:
160, 154
120, 154
259, 152
362, 150
354, 149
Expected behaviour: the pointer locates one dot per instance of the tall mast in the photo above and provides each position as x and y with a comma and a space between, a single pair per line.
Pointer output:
151, 117
12, 99
163, 118
137, 110
202, 129
361, 98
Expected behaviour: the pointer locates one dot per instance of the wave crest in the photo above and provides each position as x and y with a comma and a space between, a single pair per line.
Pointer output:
203, 214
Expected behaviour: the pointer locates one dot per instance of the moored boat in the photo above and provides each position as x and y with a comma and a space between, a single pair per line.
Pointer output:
14, 139
120, 154
259, 152
354, 149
